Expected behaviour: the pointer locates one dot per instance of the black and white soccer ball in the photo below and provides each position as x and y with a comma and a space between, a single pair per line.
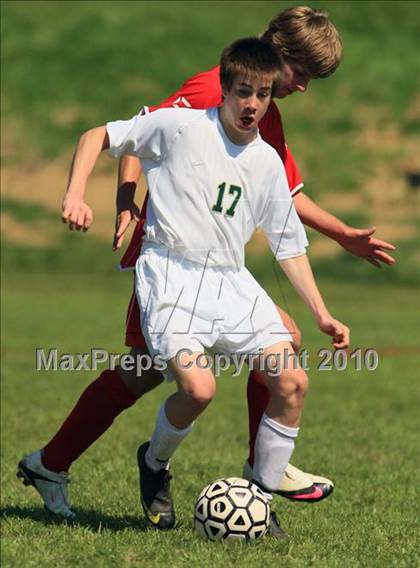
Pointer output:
232, 509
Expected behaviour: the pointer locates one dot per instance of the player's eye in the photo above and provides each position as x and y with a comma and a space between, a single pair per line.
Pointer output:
243, 92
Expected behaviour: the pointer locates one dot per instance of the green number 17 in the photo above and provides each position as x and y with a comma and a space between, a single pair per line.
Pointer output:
233, 190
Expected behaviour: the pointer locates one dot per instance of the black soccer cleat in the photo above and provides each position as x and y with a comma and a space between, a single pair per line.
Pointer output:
275, 529
51, 486
155, 494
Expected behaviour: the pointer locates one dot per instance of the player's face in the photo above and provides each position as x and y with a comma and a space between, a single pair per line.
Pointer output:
293, 79
245, 105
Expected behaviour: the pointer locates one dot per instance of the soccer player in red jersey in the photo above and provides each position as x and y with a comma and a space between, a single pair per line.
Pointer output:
311, 48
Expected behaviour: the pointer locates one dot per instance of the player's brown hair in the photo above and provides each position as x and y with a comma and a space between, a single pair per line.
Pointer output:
308, 37
247, 56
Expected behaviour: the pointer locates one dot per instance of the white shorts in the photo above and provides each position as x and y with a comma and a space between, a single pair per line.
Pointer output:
185, 305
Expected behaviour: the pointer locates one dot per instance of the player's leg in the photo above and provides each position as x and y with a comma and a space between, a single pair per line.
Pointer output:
257, 393
109, 395
196, 388
295, 484
101, 402
279, 426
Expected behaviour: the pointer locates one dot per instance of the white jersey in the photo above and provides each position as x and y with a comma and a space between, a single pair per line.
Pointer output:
207, 195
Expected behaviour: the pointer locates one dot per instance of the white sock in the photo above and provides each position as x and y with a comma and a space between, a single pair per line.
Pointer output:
165, 440
273, 448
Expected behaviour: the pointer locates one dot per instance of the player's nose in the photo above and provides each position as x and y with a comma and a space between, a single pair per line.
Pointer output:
252, 103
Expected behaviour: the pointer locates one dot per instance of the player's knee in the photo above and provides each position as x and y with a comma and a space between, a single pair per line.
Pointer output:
199, 395
293, 384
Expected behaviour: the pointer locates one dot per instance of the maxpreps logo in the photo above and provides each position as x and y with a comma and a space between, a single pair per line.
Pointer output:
181, 102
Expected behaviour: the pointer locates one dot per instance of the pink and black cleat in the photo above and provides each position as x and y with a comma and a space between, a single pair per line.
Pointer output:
297, 485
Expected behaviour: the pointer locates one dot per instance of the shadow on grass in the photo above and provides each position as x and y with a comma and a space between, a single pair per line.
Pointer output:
86, 518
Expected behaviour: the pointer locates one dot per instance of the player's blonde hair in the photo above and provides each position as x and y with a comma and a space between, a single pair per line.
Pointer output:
249, 56
308, 37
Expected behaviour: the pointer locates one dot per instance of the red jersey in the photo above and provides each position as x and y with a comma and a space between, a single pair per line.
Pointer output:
204, 91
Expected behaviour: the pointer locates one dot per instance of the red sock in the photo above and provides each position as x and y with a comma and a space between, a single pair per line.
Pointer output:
93, 414
258, 397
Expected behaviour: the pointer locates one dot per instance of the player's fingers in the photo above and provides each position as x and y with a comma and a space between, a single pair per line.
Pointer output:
74, 216
115, 240
115, 237
80, 221
384, 257
88, 219
72, 219
341, 342
118, 234
341, 339
118, 241
122, 223
366, 232
373, 262
382, 244
66, 214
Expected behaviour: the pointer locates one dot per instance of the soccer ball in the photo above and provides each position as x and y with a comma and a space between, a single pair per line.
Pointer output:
232, 509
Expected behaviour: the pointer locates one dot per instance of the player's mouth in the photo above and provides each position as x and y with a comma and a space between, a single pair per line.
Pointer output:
246, 122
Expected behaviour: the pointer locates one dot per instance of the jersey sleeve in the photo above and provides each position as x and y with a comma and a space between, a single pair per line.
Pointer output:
280, 222
271, 130
200, 92
146, 136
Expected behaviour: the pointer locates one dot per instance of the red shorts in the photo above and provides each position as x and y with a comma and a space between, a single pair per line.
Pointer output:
133, 334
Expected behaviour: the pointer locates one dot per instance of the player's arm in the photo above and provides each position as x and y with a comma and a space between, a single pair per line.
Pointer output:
299, 273
75, 211
287, 239
140, 137
129, 172
359, 242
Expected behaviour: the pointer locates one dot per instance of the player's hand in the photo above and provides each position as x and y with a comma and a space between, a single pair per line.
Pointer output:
123, 220
76, 213
339, 332
360, 242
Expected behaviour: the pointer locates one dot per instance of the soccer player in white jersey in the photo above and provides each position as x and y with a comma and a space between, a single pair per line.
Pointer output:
212, 181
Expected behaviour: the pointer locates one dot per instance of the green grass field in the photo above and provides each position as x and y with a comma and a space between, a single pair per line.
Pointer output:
68, 66
359, 427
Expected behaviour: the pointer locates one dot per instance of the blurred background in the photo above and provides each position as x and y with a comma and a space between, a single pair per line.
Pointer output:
69, 66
